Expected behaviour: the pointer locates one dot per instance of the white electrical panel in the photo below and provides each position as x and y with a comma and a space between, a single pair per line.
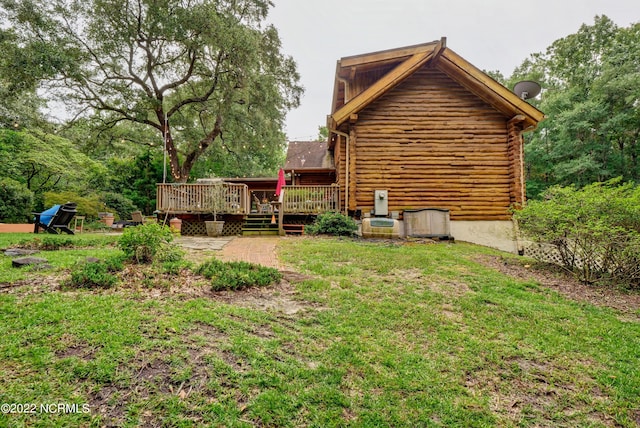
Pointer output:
381, 204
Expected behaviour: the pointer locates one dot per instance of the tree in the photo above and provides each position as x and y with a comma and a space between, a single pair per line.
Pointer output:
323, 133
15, 201
43, 162
196, 72
591, 96
20, 69
136, 178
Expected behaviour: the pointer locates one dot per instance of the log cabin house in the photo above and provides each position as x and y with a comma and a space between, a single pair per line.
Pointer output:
433, 131
420, 125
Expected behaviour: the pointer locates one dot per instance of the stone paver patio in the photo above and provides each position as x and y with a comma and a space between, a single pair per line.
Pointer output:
255, 249
204, 243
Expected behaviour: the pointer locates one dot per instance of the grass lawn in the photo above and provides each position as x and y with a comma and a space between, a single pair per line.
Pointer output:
381, 334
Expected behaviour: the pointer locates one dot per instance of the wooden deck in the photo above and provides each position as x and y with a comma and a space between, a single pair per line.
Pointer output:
224, 198
230, 198
310, 199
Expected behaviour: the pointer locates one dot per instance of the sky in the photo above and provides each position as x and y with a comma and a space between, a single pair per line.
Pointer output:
496, 35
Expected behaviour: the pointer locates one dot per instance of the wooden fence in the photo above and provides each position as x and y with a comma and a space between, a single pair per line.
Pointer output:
310, 199
223, 198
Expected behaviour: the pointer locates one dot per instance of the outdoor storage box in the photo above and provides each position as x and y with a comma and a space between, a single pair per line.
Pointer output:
427, 223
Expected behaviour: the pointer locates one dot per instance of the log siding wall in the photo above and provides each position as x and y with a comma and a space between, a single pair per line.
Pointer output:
353, 169
432, 143
340, 160
516, 161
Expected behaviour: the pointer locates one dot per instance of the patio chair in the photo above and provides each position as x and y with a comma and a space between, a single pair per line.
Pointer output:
56, 219
137, 217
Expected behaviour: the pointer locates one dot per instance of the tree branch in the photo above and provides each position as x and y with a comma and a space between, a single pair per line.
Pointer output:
204, 97
203, 145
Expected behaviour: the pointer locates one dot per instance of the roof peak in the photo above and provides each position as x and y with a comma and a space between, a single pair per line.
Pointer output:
387, 54
395, 65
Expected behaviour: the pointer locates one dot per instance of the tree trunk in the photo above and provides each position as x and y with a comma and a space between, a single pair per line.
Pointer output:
183, 171
180, 173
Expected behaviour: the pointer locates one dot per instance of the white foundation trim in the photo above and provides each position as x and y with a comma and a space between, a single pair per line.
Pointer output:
495, 234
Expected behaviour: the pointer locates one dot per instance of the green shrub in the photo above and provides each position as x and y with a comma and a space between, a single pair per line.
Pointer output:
175, 267
56, 242
16, 201
52, 243
95, 226
121, 205
237, 275
141, 243
595, 230
95, 274
172, 259
168, 253
89, 205
332, 223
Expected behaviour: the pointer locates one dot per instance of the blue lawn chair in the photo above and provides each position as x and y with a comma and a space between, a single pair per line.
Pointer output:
56, 219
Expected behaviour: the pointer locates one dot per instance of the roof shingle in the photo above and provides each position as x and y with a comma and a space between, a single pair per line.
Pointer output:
308, 155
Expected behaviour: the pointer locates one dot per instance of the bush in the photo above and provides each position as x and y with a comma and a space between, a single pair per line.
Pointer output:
331, 223
168, 253
89, 205
595, 230
56, 242
52, 243
16, 201
141, 243
95, 274
122, 205
175, 267
237, 275
46, 242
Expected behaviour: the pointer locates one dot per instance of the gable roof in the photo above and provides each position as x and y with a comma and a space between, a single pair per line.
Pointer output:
307, 155
395, 65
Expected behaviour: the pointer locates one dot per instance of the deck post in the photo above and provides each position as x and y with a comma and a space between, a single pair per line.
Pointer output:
278, 205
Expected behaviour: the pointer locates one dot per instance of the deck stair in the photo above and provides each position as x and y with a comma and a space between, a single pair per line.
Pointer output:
259, 224
293, 229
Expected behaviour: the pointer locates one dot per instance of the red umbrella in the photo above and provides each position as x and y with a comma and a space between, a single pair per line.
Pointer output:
281, 182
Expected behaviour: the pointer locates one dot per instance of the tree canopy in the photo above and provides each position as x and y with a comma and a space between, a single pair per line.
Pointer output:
43, 161
591, 95
199, 73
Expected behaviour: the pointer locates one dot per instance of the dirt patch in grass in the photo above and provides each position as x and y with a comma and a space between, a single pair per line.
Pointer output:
537, 391
37, 284
415, 280
278, 297
147, 283
553, 277
206, 332
81, 351
108, 402
449, 288
152, 377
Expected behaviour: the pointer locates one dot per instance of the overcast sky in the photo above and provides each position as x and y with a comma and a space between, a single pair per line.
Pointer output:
491, 34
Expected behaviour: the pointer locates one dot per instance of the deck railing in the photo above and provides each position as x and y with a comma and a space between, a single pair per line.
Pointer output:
223, 198
310, 199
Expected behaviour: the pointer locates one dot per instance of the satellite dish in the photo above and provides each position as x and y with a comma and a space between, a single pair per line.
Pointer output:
527, 89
